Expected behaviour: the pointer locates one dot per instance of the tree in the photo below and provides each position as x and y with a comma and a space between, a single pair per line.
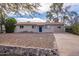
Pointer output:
16, 8
49, 15
71, 16
1, 19
77, 19
10, 25
74, 17
56, 8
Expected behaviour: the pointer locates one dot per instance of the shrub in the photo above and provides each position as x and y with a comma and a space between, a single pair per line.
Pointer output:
10, 25
75, 28
68, 29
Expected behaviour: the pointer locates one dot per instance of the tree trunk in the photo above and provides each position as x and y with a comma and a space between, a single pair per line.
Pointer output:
1, 29
57, 17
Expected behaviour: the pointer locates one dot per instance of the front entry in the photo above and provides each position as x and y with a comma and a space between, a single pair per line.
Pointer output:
40, 29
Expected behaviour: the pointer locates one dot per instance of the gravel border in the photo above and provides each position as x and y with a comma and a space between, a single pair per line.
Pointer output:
20, 51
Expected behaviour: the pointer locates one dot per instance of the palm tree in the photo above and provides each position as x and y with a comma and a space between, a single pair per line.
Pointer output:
6, 8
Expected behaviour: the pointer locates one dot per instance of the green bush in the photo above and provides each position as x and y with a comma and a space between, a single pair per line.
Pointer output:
10, 25
68, 29
75, 28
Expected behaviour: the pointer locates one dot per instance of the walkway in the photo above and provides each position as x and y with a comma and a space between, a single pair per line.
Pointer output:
68, 44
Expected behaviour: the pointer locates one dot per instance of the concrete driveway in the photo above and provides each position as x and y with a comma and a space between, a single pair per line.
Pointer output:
68, 44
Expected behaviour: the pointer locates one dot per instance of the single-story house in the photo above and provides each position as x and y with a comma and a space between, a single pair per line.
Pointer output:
39, 27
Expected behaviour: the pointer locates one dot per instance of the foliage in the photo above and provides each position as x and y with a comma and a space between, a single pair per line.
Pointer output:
10, 25
73, 29
65, 17
70, 16
68, 29
55, 10
49, 15
56, 7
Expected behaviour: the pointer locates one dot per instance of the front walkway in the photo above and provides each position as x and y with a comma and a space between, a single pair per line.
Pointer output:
68, 44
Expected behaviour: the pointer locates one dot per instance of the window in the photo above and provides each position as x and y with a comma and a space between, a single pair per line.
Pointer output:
59, 26
21, 26
47, 26
32, 26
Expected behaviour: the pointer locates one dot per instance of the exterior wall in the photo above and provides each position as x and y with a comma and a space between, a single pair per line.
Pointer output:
48, 28
26, 29
54, 29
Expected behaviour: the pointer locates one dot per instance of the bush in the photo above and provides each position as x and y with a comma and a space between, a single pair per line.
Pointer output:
75, 28
68, 29
10, 25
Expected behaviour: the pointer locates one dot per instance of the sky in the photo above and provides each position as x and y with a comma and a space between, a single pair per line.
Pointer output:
42, 10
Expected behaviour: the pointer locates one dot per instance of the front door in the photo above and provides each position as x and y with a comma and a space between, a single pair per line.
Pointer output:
40, 29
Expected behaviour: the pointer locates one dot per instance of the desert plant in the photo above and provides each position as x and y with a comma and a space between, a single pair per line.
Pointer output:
10, 25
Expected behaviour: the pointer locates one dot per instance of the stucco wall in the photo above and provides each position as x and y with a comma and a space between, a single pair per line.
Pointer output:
26, 28
53, 29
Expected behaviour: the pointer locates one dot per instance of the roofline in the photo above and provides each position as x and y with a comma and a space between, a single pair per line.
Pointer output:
38, 23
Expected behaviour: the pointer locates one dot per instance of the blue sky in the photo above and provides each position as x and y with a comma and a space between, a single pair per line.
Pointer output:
42, 16
45, 7
75, 8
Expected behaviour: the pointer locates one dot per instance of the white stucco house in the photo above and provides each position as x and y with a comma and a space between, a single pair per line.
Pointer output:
39, 27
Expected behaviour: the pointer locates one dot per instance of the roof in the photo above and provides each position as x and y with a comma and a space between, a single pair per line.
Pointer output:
30, 20
39, 23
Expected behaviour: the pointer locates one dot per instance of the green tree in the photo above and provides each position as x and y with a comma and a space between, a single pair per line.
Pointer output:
10, 25
56, 8
16, 8
75, 28
72, 15
49, 15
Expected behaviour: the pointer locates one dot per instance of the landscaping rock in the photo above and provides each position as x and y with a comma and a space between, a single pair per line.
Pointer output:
19, 51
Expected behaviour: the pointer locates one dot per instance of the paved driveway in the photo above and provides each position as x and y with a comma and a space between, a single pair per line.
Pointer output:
68, 44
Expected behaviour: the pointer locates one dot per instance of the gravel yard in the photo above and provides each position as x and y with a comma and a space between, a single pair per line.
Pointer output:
42, 40
29, 40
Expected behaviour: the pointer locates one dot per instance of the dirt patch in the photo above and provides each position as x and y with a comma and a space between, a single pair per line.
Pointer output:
30, 40
42, 40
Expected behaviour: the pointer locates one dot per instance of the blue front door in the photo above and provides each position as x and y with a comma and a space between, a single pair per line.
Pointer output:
40, 29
